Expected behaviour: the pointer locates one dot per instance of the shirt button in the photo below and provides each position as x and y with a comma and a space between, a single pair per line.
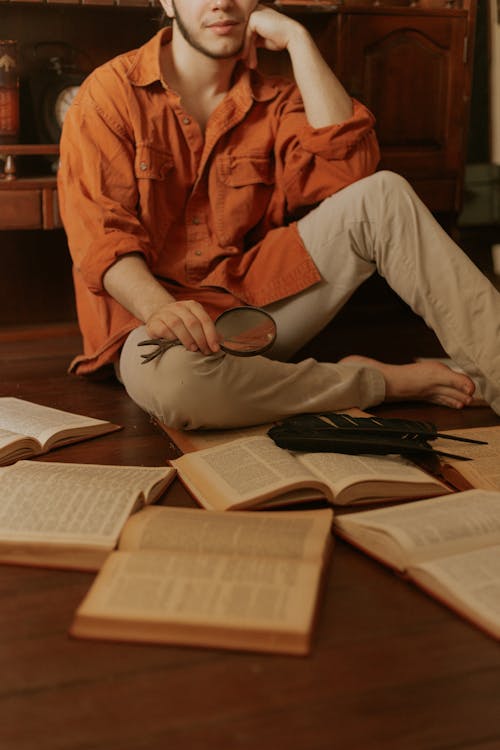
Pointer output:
198, 252
186, 120
143, 166
196, 220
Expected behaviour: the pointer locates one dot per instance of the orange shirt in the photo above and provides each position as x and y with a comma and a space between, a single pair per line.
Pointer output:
212, 214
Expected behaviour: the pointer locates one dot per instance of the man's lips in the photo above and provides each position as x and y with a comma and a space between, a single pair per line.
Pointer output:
223, 25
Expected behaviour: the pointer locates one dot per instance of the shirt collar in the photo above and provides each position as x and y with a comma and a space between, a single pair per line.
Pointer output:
146, 67
249, 84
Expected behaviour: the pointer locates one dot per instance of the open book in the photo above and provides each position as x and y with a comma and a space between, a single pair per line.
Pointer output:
255, 473
28, 429
66, 515
449, 546
227, 580
482, 471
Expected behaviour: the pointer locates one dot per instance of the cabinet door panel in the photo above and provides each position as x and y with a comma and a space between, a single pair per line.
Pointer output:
410, 72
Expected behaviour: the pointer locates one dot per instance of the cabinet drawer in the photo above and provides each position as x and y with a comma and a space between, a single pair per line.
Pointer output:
20, 209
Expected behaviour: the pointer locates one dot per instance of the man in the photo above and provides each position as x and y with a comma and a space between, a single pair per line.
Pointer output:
190, 184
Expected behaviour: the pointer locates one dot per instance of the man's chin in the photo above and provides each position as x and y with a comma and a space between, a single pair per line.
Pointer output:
214, 53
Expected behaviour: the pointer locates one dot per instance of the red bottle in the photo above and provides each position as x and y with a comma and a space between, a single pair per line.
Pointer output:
9, 92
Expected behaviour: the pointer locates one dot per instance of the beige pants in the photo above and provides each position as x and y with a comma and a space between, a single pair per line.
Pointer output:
376, 223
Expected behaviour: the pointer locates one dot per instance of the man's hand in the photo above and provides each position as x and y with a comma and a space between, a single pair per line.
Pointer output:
186, 321
133, 285
269, 29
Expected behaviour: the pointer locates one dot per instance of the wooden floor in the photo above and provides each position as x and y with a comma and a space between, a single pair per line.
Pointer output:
391, 669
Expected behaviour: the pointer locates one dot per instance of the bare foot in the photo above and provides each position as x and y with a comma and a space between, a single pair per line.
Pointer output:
421, 381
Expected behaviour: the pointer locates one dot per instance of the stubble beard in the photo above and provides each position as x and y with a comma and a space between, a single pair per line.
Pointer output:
199, 47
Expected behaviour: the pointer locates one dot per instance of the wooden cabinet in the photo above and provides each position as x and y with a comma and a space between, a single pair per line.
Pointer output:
412, 69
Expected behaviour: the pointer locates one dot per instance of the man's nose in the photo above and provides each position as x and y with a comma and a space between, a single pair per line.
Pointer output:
221, 4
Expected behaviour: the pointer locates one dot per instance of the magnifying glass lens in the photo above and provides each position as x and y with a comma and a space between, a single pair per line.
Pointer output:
245, 331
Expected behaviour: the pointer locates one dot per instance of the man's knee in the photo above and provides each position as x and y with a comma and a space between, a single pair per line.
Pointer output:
179, 388
385, 183
384, 191
392, 198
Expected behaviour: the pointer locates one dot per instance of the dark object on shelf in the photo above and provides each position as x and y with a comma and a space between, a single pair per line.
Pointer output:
9, 92
54, 85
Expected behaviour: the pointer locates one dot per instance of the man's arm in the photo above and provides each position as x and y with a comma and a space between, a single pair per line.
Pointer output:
133, 285
326, 102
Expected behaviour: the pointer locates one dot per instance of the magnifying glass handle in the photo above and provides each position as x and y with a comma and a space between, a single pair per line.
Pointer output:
162, 345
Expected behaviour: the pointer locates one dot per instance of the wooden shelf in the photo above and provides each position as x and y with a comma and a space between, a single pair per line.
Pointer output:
28, 149
8, 153
91, 3
289, 5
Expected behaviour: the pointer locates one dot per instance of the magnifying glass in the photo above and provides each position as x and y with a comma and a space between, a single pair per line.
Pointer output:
243, 332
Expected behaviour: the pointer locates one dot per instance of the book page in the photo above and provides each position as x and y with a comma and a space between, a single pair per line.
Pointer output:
343, 471
53, 501
483, 470
238, 473
468, 582
295, 534
188, 441
200, 599
22, 446
428, 529
40, 422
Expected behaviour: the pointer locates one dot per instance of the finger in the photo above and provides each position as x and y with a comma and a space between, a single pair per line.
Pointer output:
248, 53
210, 334
194, 328
171, 327
252, 59
202, 328
158, 329
189, 332
189, 323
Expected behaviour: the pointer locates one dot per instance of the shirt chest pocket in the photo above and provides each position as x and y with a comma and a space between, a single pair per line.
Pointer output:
152, 163
243, 192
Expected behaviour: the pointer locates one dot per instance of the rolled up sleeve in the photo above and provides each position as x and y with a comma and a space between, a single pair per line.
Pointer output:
318, 162
97, 186
339, 141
